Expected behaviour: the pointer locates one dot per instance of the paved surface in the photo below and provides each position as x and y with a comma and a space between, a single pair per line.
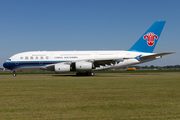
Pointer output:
139, 74
108, 74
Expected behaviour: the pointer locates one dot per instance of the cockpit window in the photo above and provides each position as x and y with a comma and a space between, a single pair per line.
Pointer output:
8, 59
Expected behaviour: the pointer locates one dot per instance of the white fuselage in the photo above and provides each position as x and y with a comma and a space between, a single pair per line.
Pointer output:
41, 59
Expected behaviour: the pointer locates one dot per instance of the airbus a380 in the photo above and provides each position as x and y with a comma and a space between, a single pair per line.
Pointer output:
84, 62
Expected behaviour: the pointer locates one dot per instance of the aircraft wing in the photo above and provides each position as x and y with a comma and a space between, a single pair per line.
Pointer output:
48, 67
97, 63
103, 62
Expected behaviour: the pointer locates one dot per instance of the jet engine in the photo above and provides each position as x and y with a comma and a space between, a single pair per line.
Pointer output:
83, 66
62, 68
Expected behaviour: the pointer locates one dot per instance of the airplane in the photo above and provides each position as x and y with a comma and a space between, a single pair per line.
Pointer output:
85, 62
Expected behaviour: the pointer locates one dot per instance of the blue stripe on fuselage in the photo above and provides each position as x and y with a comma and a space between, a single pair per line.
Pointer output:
19, 64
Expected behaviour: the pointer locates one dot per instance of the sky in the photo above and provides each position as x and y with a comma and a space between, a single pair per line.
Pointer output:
65, 25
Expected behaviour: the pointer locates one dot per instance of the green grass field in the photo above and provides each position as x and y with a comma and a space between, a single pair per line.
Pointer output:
97, 97
98, 72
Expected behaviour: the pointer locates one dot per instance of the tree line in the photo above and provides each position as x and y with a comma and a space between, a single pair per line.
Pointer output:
156, 67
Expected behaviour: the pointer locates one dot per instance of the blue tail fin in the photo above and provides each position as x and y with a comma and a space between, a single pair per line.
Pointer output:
148, 40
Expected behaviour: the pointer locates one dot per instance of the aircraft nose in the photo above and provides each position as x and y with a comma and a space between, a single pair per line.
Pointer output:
5, 65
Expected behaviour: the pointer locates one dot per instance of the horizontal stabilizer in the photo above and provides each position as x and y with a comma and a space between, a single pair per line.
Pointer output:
156, 55
153, 57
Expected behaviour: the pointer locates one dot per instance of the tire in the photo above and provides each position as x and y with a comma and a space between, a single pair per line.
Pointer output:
14, 75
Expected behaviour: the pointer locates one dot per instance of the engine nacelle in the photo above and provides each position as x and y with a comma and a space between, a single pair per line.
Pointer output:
61, 68
83, 66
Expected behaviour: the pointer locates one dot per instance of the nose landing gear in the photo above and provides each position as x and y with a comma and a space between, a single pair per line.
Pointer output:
14, 73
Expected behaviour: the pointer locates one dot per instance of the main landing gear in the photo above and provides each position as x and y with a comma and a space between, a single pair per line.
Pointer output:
85, 74
14, 73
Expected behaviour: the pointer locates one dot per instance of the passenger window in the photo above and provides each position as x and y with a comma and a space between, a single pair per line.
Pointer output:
21, 58
26, 58
31, 58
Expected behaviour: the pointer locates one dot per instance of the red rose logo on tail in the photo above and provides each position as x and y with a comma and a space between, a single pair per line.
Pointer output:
150, 38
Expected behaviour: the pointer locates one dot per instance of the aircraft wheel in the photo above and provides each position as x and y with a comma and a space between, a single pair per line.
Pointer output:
92, 74
14, 73
85, 74
79, 74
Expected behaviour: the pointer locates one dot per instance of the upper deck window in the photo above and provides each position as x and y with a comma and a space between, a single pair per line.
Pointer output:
75, 54
105, 54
